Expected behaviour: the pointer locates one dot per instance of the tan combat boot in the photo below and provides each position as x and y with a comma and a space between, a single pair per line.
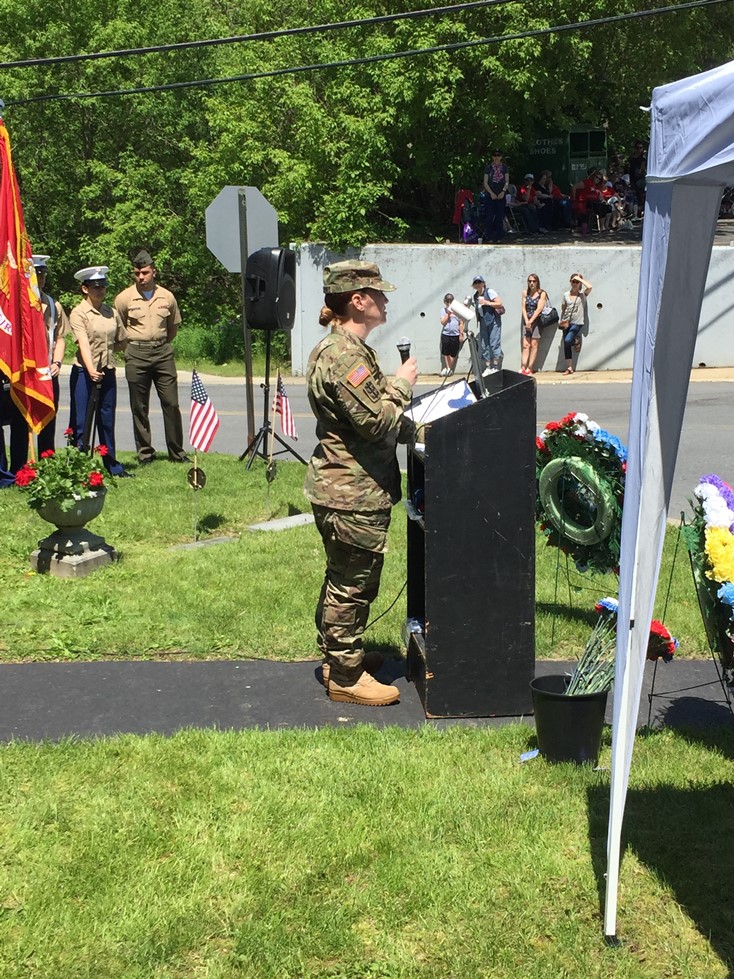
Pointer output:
358, 687
371, 662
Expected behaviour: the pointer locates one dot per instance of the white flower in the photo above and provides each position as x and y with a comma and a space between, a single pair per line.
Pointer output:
717, 513
705, 491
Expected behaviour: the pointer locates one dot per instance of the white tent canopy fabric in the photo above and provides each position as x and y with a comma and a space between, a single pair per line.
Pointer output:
690, 161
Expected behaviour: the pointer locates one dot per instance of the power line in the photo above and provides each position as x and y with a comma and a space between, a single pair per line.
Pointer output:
242, 38
372, 59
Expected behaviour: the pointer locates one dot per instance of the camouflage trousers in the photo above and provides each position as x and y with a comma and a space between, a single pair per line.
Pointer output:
355, 545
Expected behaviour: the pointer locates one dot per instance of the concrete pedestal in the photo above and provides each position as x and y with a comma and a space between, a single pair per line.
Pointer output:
72, 553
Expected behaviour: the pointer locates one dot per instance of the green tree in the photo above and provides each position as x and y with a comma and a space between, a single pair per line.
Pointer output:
365, 151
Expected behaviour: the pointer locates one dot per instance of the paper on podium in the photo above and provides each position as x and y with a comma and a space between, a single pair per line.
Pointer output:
443, 401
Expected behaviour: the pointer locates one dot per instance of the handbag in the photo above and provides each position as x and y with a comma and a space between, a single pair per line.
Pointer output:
549, 318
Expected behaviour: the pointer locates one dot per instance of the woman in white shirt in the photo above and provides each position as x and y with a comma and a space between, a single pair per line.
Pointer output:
573, 317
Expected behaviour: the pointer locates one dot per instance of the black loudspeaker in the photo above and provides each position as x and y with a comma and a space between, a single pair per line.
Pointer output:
270, 289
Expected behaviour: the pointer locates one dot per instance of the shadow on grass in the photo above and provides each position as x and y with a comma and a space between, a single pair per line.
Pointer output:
563, 611
210, 521
684, 836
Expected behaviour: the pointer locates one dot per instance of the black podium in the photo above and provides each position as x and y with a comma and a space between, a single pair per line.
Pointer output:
471, 554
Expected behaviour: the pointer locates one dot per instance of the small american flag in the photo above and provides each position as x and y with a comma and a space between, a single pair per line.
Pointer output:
203, 419
282, 407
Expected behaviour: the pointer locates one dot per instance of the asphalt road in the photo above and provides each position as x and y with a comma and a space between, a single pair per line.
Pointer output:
707, 439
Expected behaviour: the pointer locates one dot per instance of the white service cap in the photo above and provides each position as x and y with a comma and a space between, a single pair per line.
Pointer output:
94, 272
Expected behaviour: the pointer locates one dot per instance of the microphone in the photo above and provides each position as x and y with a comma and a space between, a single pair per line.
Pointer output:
404, 348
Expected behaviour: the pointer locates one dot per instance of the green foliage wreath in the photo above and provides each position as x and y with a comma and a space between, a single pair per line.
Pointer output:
580, 472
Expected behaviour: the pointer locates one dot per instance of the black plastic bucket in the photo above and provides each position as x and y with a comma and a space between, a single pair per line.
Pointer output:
568, 728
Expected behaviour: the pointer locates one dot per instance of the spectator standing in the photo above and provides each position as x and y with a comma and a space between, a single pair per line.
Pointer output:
534, 300
496, 182
452, 335
151, 318
573, 317
57, 328
490, 310
99, 333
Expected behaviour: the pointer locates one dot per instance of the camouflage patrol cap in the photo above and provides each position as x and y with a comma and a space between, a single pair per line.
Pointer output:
353, 275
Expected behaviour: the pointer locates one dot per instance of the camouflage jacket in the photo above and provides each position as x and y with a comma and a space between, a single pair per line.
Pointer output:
359, 420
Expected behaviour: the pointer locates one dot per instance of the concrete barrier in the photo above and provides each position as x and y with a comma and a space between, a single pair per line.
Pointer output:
424, 273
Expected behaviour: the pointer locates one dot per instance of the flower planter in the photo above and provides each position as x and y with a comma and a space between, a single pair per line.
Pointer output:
567, 728
72, 551
78, 516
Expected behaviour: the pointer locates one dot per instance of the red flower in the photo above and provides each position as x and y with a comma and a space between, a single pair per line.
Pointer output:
47, 454
661, 642
540, 444
68, 432
95, 479
553, 426
25, 475
102, 450
567, 419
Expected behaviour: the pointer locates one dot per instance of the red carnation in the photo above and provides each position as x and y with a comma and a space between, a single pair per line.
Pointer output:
25, 476
95, 479
567, 419
553, 426
540, 444
102, 450
68, 432
47, 454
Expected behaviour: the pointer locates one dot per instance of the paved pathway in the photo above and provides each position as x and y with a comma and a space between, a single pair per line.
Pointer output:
41, 701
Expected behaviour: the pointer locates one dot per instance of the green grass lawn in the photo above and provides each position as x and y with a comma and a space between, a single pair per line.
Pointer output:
252, 598
387, 854
332, 854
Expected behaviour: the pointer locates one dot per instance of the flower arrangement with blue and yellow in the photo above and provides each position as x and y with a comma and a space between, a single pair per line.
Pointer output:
710, 540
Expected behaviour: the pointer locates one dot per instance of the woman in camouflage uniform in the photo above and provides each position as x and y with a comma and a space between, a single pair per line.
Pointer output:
353, 478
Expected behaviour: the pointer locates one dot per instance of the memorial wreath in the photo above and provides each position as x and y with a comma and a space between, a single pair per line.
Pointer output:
580, 472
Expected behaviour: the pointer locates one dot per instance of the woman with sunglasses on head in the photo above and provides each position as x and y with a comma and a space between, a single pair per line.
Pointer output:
98, 331
534, 301
573, 317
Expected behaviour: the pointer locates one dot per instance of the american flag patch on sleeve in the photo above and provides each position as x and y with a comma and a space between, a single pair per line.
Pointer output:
359, 374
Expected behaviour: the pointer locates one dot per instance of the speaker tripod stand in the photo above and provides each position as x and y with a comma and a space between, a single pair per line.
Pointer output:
260, 445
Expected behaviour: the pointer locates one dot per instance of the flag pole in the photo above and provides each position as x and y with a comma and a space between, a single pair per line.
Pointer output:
196, 486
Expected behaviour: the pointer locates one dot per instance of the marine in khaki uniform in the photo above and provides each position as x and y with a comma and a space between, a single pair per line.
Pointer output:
57, 328
151, 317
353, 478
98, 331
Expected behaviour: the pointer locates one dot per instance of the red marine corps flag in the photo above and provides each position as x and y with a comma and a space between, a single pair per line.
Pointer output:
23, 340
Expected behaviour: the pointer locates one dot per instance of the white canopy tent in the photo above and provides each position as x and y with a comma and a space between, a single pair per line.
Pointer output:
690, 161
